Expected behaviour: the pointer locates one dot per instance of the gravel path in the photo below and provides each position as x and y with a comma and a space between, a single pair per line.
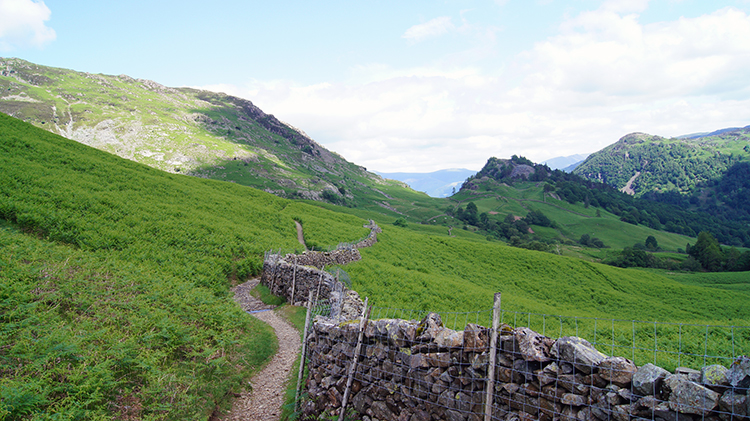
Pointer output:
264, 401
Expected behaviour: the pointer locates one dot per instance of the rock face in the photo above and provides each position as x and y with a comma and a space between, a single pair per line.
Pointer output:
423, 371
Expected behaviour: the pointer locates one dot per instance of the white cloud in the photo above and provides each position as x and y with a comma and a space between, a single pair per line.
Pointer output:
625, 6
603, 75
432, 28
22, 23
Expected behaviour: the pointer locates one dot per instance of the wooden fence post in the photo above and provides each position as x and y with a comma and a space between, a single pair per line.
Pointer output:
304, 349
355, 360
493, 359
294, 279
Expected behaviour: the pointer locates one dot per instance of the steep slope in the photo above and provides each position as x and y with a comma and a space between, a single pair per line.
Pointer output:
642, 163
182, 130
114, 281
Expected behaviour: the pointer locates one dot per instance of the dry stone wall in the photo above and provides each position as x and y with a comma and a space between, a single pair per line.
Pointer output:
293, 276
421, 371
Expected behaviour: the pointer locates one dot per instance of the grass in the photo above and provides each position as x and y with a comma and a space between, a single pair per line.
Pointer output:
728, 281
115, 277
262, 293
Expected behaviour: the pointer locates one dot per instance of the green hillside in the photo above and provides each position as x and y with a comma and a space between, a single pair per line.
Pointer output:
656, 164
183, 130
114, 281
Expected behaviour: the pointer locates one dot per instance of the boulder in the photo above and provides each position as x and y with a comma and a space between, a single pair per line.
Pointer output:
578, 352
647, 379
617, 370
691, 374
572, 399
449, 338
380, 410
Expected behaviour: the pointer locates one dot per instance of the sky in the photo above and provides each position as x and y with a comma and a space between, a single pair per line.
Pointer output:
419, 86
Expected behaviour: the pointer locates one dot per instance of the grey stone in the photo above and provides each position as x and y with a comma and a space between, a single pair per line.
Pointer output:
452, 415
617, 370
531, 345
361, 401
648, 378
420, 416
714, 375
578, 352
476, 338
449, 338
688, 397
691, 374
738, 374
572, 399
380, 410
480, 361
429, 327
734, 404
439, 359
418, 360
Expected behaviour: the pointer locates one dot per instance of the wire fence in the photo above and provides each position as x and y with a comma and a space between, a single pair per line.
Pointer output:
623, 369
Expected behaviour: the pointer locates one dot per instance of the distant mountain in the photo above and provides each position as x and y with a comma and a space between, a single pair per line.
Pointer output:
565, 163
436, 184
183, 130
715, 133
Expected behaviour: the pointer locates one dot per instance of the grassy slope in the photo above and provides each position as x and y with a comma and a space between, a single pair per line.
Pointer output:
687, 161
182, 130
115, 277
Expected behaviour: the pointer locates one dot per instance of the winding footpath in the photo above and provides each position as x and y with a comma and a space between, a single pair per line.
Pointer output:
263, 402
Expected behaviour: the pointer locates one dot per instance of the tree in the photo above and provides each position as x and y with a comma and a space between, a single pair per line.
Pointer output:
470, 215
707, 252
651, 243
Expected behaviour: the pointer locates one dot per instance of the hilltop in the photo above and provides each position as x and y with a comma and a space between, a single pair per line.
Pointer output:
184, 130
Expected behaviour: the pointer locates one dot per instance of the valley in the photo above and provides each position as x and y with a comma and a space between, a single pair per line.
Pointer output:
120, 243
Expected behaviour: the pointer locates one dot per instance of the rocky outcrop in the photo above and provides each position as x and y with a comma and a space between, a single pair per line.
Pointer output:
421, 371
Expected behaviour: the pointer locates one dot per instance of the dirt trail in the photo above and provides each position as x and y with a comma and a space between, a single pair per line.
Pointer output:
264, 401
300, 234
